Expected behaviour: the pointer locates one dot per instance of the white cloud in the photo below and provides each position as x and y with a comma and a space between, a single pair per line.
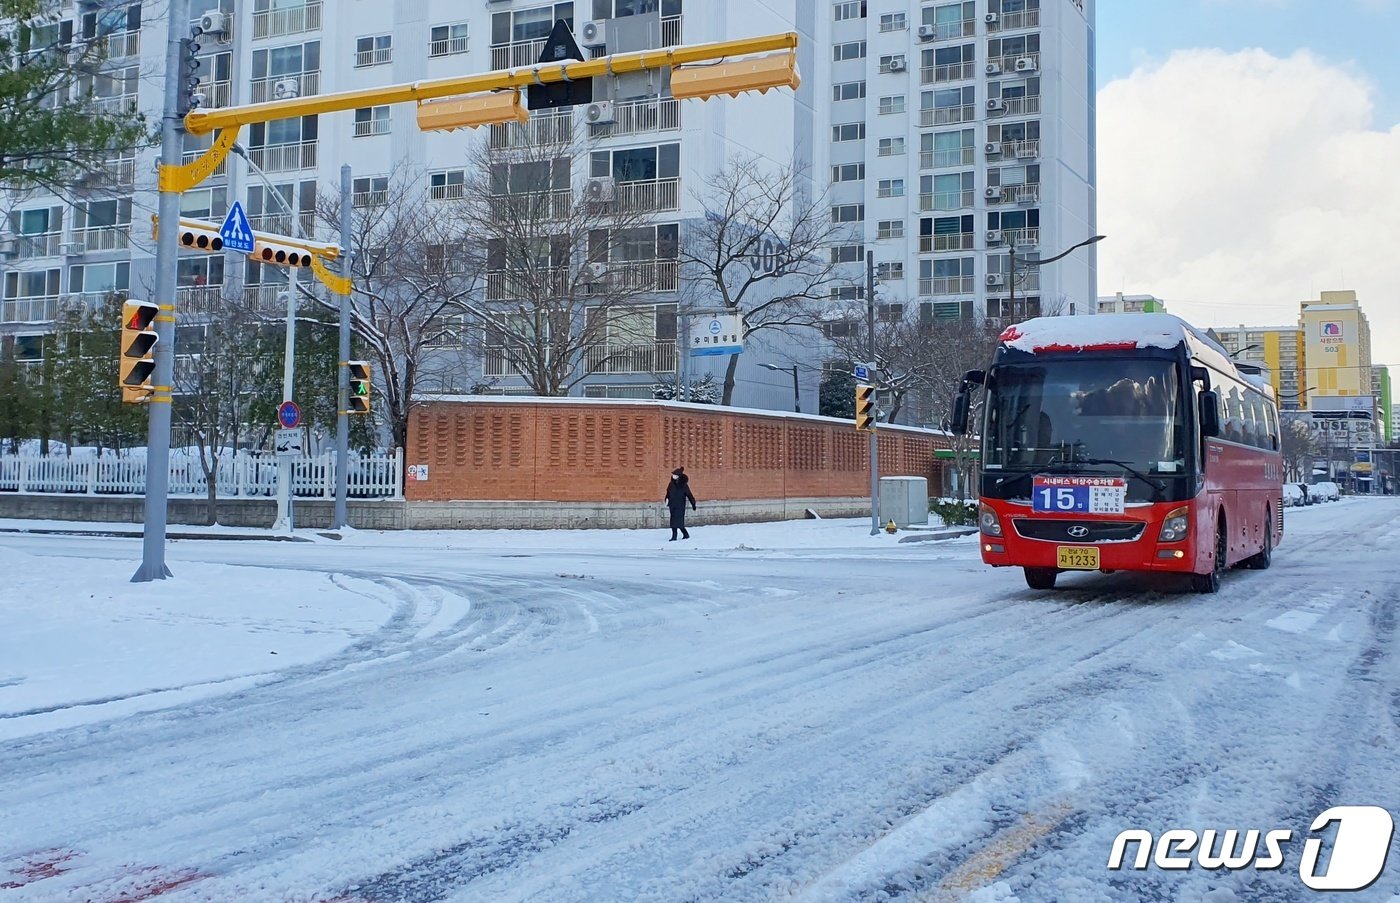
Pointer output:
1248, 183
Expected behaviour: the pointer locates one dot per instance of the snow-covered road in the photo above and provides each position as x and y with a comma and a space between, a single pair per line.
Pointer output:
604, 717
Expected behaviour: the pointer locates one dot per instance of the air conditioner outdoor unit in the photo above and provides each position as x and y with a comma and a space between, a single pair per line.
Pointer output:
993, 236
992, 192
993, 148
214, 23
600, 112
286, 89
897, 64
990, 18
1025, 64
927, 32
995, 104
994, 68
595, 270
593, 34
600, 189
995, 279
72, 249
9, 245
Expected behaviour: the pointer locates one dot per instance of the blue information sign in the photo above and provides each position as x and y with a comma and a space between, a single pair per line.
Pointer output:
1078, 495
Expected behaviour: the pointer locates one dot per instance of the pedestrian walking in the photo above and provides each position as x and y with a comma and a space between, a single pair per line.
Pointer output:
677, 494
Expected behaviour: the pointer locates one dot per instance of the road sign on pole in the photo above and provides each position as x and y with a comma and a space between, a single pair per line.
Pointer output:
290, 443
236, 231
560, 47
288, 414
862, 373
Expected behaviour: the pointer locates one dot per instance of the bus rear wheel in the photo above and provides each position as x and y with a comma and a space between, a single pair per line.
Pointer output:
1210, 583
1041, 578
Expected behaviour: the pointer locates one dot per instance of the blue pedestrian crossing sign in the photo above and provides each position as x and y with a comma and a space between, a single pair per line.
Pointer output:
236, 231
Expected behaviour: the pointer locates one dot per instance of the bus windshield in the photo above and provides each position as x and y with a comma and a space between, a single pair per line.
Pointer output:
1044, 414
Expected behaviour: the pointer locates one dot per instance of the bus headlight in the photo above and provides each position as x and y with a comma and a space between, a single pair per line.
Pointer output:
989, 522
1175, 526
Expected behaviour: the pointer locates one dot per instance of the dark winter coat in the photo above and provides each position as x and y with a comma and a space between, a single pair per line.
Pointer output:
677, 494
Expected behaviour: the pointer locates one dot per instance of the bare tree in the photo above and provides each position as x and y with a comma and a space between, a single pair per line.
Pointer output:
569, 272
762, 249
1297, 444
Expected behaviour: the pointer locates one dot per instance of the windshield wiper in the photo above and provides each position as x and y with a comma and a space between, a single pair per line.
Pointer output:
1155, 484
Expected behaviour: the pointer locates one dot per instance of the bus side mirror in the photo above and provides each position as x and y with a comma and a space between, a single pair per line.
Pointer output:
958, 422
1210, 414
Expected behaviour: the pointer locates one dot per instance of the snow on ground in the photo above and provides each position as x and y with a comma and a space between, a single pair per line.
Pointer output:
771, 711
80, 643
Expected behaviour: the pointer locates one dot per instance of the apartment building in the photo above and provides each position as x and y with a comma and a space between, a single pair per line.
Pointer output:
1279, 350
942, 134
1120, 303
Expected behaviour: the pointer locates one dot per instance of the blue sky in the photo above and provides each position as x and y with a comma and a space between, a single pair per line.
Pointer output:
1360, 34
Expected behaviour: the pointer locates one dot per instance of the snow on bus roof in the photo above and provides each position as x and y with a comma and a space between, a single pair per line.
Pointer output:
1102, 332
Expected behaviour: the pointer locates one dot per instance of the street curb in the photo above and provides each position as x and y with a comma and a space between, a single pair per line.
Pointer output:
138, 534
936, 537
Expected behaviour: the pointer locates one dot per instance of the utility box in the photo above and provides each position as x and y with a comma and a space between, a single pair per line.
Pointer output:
904, 500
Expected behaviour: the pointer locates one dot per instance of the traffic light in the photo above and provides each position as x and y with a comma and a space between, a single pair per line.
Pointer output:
359, 387
199, 238
281, 254
865, 408
471, 111
190, 98
776, 70
137, 361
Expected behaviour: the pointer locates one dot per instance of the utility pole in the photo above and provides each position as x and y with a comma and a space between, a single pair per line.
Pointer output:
167, 251
341, 517
874, 434
284, 464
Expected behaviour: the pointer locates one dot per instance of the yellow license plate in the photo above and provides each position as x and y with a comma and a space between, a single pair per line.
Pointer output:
1077, 558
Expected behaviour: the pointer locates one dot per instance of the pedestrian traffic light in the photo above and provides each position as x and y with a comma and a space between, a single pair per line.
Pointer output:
265, 251
359, 386
776, 70
865, 408
138, 342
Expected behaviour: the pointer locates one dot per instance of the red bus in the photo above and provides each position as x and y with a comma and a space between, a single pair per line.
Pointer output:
1123, 442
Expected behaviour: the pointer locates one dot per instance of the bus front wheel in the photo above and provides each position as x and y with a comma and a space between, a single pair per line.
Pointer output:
1210, 582
1041, 578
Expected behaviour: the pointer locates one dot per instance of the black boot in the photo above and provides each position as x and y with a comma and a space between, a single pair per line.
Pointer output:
685, 534
673, 536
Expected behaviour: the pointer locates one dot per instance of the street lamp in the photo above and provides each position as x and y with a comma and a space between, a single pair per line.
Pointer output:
1041, 263
796, 397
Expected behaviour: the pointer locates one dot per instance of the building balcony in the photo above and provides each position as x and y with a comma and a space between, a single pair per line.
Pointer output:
447, 46
646, 197
963, 156
947, 115
543, 129
377, 56
516, 54
284, 157
636, 117
635, 276
671, 31
1022, 238
1021, 106
932, 244
1027, 194
510, 285
945, 200
534, 205
1029, 18
216, 94
372, 198
262, 299
1026, 149
199, 298
1026, 282
1012, 63
953, 72
104, 238
274, 23
370, 127
949, 31
38, 309
120, 44
285, 87
497, 362
304, 226
947, 285
117, 105
650, 357
46, 245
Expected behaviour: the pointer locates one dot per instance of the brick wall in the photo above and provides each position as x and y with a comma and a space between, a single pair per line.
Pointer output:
589, 451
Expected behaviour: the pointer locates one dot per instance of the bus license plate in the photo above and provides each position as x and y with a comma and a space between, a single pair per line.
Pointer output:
1077, 558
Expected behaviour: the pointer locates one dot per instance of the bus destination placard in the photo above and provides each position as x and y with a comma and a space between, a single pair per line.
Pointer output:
1079, 495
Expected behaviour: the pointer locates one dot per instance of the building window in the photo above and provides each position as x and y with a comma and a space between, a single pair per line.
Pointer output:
890, 228
104, 278
371, 121
892, 63
889, 270
848, 91
890, 188
448, 39
851, 131
893, 22
892, 147
374, 51
848, 254
370, 191
846, 292
852, 50
447, 185
851, 9
638, 164
848, 213
848, 172
892, 104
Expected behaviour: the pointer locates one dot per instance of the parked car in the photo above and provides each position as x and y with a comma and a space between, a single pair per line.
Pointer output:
1326, 491
1293, 496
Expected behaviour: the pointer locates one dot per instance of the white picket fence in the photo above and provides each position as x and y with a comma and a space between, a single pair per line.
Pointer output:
245, 475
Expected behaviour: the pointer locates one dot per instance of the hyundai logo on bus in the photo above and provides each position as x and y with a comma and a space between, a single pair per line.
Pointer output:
1078, 530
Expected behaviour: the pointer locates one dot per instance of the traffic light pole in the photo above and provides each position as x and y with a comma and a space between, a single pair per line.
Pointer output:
341, 518
167, 252
874, 433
